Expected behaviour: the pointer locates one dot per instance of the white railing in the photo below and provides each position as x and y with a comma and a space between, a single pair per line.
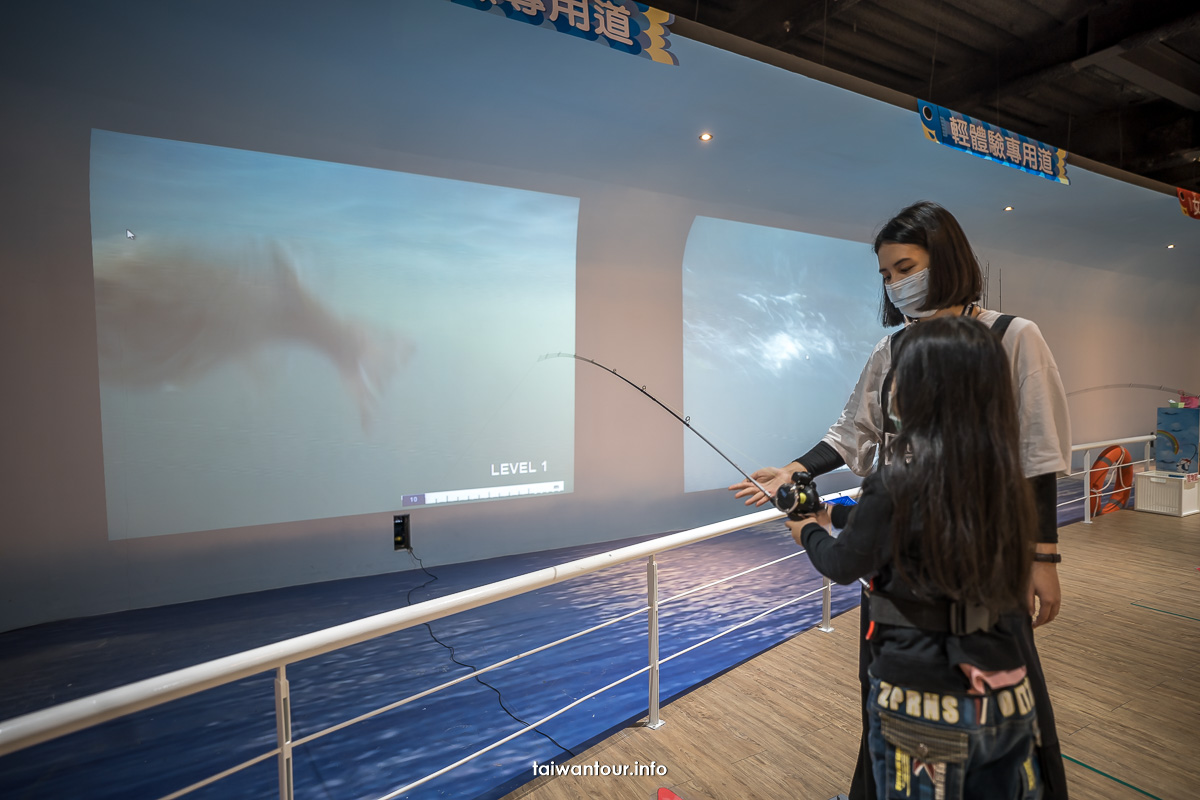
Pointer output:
41, 726
1089, 468
25, 731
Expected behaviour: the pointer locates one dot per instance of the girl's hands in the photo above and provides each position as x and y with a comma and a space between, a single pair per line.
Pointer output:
821, 518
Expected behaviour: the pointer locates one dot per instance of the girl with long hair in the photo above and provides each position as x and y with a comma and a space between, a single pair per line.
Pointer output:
946, 531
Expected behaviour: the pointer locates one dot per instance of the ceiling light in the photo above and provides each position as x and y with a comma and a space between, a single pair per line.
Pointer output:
1170, 247
1008, 208
704, 137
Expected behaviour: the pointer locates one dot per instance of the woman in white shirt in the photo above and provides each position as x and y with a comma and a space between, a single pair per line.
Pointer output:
928, 270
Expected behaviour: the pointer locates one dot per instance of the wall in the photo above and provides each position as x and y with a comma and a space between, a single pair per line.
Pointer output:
428, 86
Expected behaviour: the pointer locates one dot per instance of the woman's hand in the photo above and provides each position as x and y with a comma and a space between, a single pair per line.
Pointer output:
1044, 586
821, 518
771, 479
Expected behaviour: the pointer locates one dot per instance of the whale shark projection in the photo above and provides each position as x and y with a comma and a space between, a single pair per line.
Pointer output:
168, 314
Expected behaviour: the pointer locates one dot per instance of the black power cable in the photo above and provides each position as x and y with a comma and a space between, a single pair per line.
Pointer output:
499, 696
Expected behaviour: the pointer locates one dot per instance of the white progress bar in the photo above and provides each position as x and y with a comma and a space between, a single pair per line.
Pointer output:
487, 493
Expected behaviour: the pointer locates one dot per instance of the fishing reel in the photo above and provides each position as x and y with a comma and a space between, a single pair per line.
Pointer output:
798, 498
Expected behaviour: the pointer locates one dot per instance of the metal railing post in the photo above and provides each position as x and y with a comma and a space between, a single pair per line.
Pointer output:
653, 721
826, 605
283, 733
1087, 487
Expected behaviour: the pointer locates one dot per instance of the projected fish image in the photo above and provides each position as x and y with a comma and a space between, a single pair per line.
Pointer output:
282, 339
167, 315
776, 327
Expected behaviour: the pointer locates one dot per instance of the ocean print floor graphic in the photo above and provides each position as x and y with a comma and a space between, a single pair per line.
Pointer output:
155, 752
158, 751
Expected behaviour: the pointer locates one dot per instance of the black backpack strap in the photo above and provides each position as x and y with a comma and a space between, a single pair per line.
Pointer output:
1000, 326
937, 616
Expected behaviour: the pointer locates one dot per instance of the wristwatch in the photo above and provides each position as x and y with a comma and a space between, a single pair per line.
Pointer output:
1049, 558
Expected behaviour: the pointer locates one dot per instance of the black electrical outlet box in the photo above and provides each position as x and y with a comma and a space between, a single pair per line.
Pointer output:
401, 533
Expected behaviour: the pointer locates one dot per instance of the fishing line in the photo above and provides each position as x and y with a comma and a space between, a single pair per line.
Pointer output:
796, 499
737, 451
687, 421
453, 658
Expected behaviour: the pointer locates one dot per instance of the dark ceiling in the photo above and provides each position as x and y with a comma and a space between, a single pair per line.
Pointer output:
1116, 81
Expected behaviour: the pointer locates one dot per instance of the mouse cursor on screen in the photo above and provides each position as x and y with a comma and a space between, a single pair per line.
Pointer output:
129, 234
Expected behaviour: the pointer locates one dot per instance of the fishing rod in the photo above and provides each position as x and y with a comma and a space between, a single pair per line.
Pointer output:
796, 499
1179, 392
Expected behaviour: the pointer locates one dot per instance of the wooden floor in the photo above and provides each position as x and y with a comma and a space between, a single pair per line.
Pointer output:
1122, 661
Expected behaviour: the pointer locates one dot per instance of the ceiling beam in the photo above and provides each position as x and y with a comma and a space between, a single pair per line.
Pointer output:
1069, 50
868, 47
1157, 69
1186, 176
848, 62
767, 23
1152, 136
879, 20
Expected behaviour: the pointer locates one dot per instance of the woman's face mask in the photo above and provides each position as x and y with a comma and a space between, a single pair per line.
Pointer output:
909, 294
905, 272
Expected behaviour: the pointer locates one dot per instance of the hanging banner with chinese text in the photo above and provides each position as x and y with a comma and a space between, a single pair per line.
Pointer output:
1189, 202
992, 142
621, 24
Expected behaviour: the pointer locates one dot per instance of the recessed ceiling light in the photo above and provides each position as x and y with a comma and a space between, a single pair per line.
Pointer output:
1008, 208
1170, 247
704, 137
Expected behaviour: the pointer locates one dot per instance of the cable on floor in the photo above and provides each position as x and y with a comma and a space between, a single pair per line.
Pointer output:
453, 658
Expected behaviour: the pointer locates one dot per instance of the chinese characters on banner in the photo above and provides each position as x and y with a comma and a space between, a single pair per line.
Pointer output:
620, 24
1189, 202
992, 142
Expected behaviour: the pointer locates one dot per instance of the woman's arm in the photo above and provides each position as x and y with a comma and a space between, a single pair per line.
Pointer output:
1045, 451
1044, 582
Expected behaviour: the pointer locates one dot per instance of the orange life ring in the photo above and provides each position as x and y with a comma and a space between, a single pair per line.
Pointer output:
1114, 458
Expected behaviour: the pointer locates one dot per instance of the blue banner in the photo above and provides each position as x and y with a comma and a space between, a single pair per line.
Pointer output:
621, 24
992, 142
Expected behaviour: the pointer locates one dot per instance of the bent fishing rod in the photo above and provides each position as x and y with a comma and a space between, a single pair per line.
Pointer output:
796, 499
1179, 392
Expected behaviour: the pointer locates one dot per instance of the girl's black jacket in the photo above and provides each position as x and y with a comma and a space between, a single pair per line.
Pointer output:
901, 655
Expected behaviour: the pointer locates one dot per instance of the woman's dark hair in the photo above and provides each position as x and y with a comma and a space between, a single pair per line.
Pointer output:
964, 525
954, 275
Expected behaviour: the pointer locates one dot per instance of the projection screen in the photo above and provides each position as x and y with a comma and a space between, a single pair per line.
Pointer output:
283, 339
